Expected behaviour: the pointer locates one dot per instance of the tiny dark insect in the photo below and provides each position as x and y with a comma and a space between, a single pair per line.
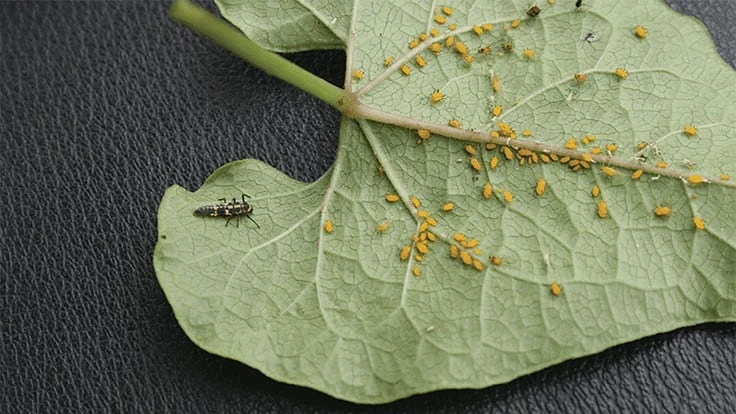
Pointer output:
534, 11
228, 210
578, 3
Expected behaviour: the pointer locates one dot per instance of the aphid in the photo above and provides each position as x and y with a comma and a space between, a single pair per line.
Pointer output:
388, 61
541, 186
661, 164
596, 150
458, 237
466, 257
358, 74
695, 179
724, 177
515, 23
420, 61
602, 209
662, 211
494, 134
533, 11
423, 214
507, 196
461, 48
487, 191
424, 133
487, 27
470, 149
468, 58
507, 153
477, 30
423, 227
551, 2
496, 83
493, 163
475, 164
470, 243
587, 158
565, 159
580, 77
392, 198
609, 171
555, 289
415, 202
578, 3
434, 32
440, 19
382, 227
435, 48
422, 36
436, 96
640, 32
641, 145
450, 41
448, 206
422, 247
228, 210
571, 143
526, 132
416, 271
637, 174
452, 26
529, 53
418, 257
689, 130
329, 226
588, 139
447, 10
698, 223
545, 158
414, 43
406, 70
495, 260
611, 148
431, 236
621, 73
405, 252
477, 265
497, 110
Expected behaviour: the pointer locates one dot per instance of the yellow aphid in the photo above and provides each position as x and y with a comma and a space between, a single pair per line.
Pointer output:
475, 164
587, 158
422, 247
507, 196
454, 123
424, 133
478, 265
541, 186
388, 61
453, 26
526, 132
529, 53
564, 160
724, 177
640, 32
661, 164
504, 129
555, 289
496, 111
454, 251
588, 139
571, 143
447, 10
431, 236
602, 209
423, 213
507, 153
440, 19
329, 227
609, 171
418, 257
496, 83
595, 192
477, 30
689, 130
422, 36
493, 163
468, 58
414, 43
554, 157
450, 41
358, 74
420, 61
515, 23
637, 174
405, 252
487, 191
458, 237
416, 271
448, 206
431, 221
423, 227
487, 27
494, 134
545, 158
382, 227
406, 70
641, 145
611, 148
470, 149
437, 95
621, 73
699, 223
435, 48
525, 152
392, 198
580, 77
461, 48
596, 150
552, 2
434, 32
471, 243
695, 179
495, 260
415, 202
466, 257
662, 211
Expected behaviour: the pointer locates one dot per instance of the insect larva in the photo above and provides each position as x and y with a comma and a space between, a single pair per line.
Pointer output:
496, 111
487, 27
388, 61
724, 177
507, 153
431, 221
541, 186
602, 209
621, 73
485, 50
699, 223
416, 271
475, 164
596, 150
468, 58
461, 48
423, 133
440, 19
555, 289
414, 43
358, 74
495, 260
689, 130
422, 247
418, 257
415, 202
587, 158
595, 192
526, 132
470, 149
420, 61
661, 164
422, 36
637, 174
450, 40
515, 23
447, 10
493, 163
452, 26
329, 226
435, 48
454, 123
529, 53
454, 251
448, 206
470, 243
491, 146
662, 211
466, 257
437, 95
609, 171
477, 265
423, 214
431, 236
406, 70
423, 227
458, 237
487, 191
695, 179
640, 32
507, 196
496, 83
571, 143
611, 148
564, 160
382, 227
392, 198
405, 252
477, 30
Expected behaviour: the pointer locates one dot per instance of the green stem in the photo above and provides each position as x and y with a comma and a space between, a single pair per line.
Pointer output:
223, 34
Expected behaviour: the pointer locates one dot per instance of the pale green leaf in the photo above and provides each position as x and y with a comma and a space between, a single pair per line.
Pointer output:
340, 312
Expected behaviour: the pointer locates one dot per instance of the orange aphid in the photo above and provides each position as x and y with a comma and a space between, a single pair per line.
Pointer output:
602, 209
698, 223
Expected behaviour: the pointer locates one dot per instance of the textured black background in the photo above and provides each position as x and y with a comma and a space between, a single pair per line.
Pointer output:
105, 104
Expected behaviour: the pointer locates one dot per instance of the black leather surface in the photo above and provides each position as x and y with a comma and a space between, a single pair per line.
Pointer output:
105, 104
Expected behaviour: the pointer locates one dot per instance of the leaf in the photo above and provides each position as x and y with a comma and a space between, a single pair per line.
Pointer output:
342, 313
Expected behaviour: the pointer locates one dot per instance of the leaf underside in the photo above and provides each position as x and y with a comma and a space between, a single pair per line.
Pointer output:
342, 313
